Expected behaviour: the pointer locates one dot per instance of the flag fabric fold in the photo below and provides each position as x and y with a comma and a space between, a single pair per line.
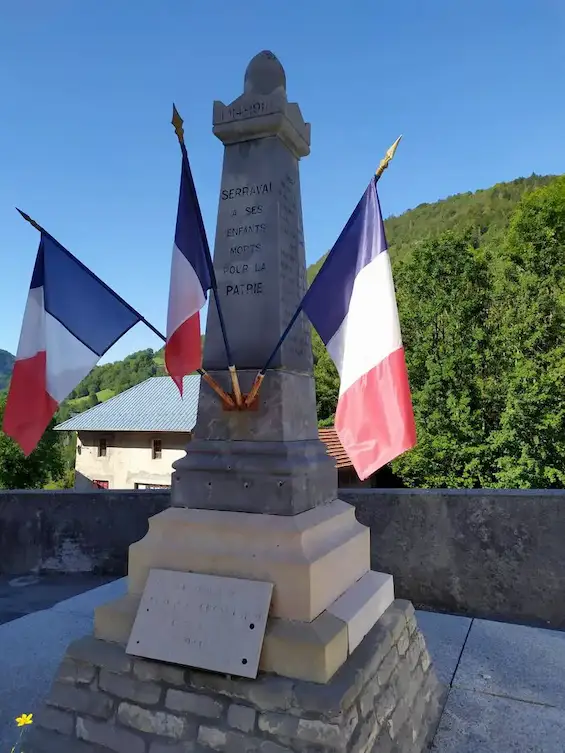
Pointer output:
190, 282
352, 305
71, 319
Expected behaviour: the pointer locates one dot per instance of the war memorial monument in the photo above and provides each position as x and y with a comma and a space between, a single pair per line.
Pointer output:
253, 622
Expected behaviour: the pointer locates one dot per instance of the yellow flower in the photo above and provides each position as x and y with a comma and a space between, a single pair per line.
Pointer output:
24, 719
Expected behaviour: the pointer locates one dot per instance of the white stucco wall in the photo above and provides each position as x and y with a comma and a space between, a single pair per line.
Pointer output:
128, 458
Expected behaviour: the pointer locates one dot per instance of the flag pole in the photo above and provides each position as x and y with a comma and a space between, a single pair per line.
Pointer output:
254, 391
204, 374
177, 122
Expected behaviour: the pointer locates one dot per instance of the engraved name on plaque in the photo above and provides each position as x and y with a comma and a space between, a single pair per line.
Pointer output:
203, 621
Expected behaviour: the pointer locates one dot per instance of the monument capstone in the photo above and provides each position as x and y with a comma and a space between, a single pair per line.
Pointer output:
321, 656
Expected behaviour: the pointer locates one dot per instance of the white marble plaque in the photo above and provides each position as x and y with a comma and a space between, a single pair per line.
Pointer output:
203, 621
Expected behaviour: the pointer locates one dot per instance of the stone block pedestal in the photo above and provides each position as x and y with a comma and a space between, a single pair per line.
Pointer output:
385, 698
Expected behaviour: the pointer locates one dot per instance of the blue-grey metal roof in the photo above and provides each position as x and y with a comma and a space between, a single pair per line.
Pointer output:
154, 405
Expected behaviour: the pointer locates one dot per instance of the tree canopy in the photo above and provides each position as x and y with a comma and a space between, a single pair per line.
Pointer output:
483, 327
45, 464
482, 311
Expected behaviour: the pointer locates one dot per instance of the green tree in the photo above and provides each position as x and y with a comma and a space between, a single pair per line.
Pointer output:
529, 311
443, 293
6, 366
45, 463
327, 381
92, 401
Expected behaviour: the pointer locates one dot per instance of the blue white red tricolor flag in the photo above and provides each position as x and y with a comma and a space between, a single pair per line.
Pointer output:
71, 319
190, 282
352, 305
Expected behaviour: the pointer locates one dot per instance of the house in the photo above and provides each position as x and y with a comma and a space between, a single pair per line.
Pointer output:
132, 440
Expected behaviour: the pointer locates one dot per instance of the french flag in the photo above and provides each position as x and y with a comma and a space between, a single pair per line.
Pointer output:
190, 282
352, 305
71, 319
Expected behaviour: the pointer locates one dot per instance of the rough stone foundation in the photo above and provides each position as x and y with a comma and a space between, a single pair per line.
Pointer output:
385, 698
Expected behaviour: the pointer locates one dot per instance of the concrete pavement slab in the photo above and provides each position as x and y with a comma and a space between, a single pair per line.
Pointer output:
479, 723
87, 602
31, 649
25, 594
514, 661
445, 636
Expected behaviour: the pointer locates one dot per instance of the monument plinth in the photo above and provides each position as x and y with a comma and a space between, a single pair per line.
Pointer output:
256, 555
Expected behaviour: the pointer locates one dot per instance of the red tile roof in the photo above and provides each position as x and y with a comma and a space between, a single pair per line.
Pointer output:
334, 447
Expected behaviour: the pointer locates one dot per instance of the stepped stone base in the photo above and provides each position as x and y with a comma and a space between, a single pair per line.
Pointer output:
325, 599
385, 698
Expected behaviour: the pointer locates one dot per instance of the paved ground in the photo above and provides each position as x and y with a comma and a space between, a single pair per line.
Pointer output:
31, 593
507, 682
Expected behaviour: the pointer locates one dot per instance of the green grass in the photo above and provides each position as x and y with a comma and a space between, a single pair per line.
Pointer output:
104, 395
77, 401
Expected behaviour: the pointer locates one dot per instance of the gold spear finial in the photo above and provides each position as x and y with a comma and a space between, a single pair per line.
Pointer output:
177, 122
387, 158
33, 223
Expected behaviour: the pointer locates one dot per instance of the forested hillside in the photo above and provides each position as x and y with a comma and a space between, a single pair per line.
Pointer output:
108, 380
484, 213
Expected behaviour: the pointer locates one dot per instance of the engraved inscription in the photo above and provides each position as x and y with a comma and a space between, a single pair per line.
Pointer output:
202, 621
233, 232
255, 108
259, 257
248, 288
256, 189
240, 280
247, 111
245, 249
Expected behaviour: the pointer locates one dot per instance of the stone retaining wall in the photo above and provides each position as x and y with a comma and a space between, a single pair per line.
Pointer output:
385, 698
491, 553
71, 531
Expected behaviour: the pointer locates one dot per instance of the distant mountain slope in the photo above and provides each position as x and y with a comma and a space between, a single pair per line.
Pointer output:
6, 366
486, 212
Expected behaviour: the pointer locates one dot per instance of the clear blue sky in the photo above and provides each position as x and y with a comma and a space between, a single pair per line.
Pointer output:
86, 147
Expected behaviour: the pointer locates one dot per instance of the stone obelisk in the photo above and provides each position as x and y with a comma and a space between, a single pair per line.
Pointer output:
342, 665
266, 460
